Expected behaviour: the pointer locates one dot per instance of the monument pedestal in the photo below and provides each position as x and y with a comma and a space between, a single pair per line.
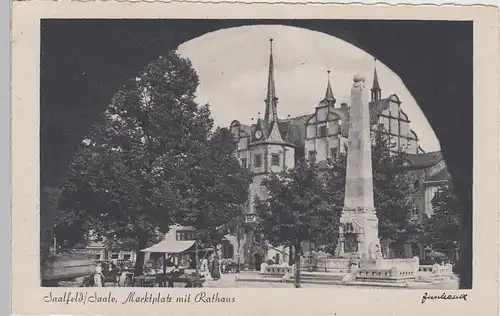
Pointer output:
359, 234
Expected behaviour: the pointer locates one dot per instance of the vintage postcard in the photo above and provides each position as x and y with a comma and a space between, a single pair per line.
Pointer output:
187, 158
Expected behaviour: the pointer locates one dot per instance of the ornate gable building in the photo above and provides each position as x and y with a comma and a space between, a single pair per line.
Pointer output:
272, 144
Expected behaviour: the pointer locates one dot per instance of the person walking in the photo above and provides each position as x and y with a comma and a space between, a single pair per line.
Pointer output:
204, 265
98, 276
223, 266
215, 271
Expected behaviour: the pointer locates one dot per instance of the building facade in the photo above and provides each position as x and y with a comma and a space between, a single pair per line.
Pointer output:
102, 251
431, 173
273, 144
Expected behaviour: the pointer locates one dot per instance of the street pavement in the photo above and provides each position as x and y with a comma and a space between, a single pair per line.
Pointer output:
229, 281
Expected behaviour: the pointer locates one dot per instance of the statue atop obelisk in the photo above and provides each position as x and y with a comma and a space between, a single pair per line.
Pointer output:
359, 220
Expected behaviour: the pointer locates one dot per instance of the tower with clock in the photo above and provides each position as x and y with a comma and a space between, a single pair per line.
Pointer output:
268, 152
264, 152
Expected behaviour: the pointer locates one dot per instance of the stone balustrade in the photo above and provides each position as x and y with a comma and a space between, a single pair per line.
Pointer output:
437, 269
401, 264
275, 269
425, 268
384, 275
326, 264
445, 269
435, 273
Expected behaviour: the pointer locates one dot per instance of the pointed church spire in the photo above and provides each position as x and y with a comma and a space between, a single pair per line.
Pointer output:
376, 91
329, 99
271, 100
270, 123
329, 93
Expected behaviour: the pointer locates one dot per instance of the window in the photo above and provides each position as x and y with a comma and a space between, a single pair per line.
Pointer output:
126, 257
98, 257
312, 155
322, 131
114, 256
257, 238
243, 162
184, 235
275, 160
257, 163
333, 152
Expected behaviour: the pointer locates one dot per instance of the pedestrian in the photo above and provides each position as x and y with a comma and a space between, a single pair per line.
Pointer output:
223, 266
204, 265
215, 271
98, 277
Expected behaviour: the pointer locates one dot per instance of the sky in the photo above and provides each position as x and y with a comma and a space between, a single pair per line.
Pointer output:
233, 66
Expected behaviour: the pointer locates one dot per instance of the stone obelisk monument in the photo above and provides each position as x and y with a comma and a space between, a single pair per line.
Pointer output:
359, 220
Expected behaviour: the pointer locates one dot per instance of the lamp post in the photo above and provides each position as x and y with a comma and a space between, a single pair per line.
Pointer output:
196, 258
238, 236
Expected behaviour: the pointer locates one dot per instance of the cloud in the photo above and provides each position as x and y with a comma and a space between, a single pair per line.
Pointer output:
233, 68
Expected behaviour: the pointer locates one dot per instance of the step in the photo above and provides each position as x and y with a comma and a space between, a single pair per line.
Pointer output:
291, 280
321, 279
258, 279
379, 284
312, 281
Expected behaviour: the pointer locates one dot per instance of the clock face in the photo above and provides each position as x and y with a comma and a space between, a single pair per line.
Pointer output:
258, 134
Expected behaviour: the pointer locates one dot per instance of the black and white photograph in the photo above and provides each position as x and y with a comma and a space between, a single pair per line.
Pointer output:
256, 153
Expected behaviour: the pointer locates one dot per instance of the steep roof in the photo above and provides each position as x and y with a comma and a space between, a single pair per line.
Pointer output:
293, 129
376, 108
424, 160
329, 98
442, 175
376, 84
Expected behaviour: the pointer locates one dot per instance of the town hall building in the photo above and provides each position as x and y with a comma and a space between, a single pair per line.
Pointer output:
273, 145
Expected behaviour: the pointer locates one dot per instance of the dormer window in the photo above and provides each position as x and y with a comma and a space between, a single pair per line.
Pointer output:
275, 160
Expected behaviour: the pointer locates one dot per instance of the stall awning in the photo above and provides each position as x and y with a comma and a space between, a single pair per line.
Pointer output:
170, 246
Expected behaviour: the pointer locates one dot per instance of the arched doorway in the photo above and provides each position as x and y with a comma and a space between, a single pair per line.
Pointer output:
52, 174
257, 259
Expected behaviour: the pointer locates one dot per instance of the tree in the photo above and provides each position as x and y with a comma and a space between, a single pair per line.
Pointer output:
299, 207
443, 226
124, 179
394, 192
335, 172
214, 189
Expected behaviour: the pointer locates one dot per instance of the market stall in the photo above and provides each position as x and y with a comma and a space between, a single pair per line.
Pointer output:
177, 262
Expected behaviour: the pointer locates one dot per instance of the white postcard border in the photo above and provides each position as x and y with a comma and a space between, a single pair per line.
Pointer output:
27, 295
